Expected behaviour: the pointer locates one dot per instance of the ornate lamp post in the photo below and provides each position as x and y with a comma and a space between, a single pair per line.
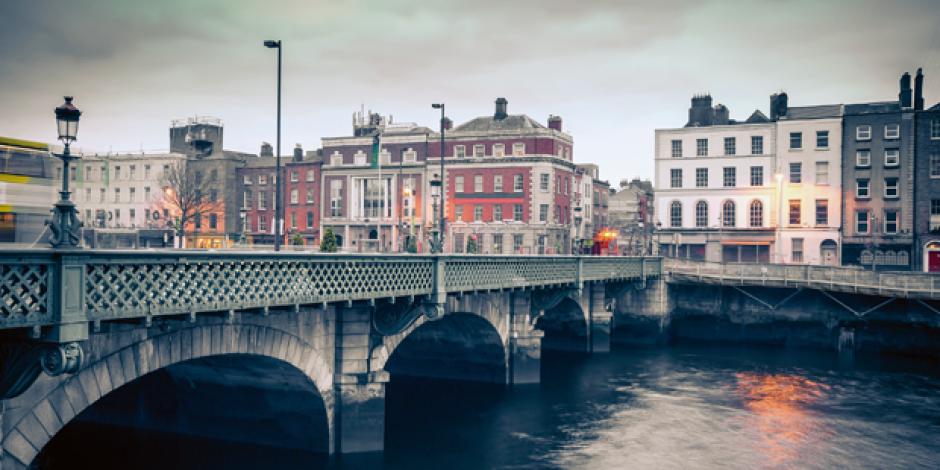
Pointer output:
64, 224
278, 197
436, 239
442, 227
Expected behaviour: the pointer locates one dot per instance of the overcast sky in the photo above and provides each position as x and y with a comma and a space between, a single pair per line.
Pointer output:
614, 70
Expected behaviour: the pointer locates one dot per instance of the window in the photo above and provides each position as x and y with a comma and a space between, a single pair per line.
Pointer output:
479, 151
861, 188
822, 172
861, 221
935, 129
478, 213
309, 219
543, 212
935, 164
892, 131
213, 194
262, 200
88, 172
891, 157
730, 145
309, 196
822, 212
517, 183
497, 243
294, 176
891, 221
101, 195
246, 199
478, 183
117, 217
543, 182
757, 145
117, 172
213, 175
310, 176
757, 176
701, 147
796, 250
146, 193
499, 150
246, 180
727, 214
262, 223
498, 212
822, 139
796, 173
336, 198
518, 149
756, 213
213, 221
891, 188
458, 212
87, 194
796, 140
458, 184
262, 179
498, 183
133, 194
701, 214
460, 151
863, 132
132, 172
730, 177
676, 149
675, 178
133, 215
863, 158
701, 177
294, 196
117, 194
675, 214
517, 212
794, 212
935, 215
517, 239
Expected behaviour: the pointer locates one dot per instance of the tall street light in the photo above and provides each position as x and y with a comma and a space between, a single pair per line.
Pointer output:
64, 224
442, 229
278, 202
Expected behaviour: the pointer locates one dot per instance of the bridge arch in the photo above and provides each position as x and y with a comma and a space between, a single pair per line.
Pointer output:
565, 326
111, 370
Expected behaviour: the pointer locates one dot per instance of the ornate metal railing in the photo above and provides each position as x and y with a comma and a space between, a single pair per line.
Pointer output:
36, 287
830, 278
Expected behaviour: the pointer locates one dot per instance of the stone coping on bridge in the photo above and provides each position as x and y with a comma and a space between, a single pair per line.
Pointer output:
46, 287
830, 278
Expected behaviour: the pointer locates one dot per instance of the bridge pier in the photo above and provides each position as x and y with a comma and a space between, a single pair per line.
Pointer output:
599, 319
359, 413
642, 314
525, 343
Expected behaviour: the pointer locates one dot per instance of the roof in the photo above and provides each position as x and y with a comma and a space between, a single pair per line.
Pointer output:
872, 108
935, 107
814, 112
489, 123
756, 117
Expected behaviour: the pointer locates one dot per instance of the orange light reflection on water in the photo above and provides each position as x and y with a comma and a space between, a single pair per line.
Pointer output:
780, 415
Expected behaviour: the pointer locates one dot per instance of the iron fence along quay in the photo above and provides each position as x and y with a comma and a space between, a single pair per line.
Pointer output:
104, 285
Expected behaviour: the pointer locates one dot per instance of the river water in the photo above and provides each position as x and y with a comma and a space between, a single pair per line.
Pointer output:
648, 408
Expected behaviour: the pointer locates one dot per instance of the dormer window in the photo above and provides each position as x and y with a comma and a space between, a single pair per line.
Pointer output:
518, 149
460, 151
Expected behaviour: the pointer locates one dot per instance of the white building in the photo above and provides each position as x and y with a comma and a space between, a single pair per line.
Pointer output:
809, 162
714, 186
123, 190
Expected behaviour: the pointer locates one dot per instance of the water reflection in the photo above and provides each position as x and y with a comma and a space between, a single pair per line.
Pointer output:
780, 412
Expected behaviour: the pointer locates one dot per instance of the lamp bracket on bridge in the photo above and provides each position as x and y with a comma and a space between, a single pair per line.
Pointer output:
21, 363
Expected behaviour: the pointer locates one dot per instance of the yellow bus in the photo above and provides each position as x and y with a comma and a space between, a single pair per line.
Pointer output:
26, 189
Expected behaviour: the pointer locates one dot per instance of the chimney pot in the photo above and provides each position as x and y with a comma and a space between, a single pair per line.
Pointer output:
500, 109
919, 90
904, 97
554, 122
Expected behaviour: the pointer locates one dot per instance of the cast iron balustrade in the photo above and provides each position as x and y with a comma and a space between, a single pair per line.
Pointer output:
120, 285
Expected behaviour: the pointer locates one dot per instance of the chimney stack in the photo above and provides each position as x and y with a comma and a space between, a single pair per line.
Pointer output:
298, 153
701, 113
500, 109
919, 91
905, 95
722, 115
266, 150
778, 106
554, 122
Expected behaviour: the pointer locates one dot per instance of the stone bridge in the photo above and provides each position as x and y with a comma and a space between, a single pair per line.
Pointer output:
217, 344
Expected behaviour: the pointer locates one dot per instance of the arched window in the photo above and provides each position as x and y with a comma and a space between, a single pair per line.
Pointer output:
675, 214
701, 214
727, 214
757, 213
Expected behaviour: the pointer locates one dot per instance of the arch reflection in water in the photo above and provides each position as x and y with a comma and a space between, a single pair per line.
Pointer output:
232, 411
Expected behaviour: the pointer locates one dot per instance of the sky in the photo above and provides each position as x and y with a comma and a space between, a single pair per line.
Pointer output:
613, 70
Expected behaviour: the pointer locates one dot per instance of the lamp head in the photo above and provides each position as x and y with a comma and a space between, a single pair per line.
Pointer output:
437, 105
66, 117
272, 44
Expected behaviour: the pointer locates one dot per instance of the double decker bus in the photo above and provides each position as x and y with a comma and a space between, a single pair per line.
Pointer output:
27, 171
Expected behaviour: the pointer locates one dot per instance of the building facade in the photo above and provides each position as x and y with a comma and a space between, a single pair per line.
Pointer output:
878, 183
715, 188
926, 182
631, 215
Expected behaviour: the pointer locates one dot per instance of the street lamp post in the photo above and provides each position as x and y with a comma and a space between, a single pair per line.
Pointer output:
435, 228
64, 224
278, 202
442, 229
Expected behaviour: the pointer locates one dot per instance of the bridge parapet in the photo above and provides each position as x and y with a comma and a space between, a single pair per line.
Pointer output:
828, 278
41, 288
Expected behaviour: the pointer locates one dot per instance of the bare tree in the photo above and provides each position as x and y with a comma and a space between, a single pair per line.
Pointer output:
187, 194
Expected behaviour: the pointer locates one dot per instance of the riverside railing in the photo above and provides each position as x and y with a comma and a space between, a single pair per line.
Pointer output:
831, 278
43, 287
